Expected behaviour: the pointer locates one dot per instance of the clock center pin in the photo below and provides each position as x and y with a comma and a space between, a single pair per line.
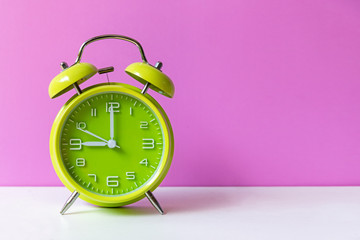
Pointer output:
111, 143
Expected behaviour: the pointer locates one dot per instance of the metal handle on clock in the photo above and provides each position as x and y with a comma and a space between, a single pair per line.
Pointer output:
111, 36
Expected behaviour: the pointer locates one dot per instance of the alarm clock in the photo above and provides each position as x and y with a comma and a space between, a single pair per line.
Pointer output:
111, 144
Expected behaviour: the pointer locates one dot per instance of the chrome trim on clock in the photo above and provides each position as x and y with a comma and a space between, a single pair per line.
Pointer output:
154, 202
69, 202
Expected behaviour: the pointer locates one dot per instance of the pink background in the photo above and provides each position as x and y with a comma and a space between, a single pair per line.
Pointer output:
267, 92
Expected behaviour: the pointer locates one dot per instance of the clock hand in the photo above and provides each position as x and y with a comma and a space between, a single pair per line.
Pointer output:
111, 123
99, 144
92, 134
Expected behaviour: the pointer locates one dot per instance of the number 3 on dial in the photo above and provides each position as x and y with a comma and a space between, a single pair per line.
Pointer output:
148, 143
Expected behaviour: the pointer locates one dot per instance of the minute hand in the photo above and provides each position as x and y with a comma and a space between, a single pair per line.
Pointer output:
90, 133
111, 123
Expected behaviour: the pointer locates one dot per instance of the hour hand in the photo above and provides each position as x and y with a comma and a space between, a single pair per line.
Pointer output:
99, 144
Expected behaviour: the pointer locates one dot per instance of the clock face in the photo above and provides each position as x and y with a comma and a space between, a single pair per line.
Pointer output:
111, 143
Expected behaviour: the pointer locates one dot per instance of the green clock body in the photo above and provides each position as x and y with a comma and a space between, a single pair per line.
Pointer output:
111, 144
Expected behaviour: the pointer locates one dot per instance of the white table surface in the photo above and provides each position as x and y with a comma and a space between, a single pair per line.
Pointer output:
290, 213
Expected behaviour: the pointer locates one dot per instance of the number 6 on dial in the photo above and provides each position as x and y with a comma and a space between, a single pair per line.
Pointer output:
112, 181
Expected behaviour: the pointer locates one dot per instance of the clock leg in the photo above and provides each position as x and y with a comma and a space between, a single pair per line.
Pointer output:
154, 202
69, 202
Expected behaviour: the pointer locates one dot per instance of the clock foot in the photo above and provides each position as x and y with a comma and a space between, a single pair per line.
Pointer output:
154, 202
69, 202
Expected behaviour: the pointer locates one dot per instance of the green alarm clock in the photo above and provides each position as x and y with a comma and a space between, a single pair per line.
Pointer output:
111, 144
